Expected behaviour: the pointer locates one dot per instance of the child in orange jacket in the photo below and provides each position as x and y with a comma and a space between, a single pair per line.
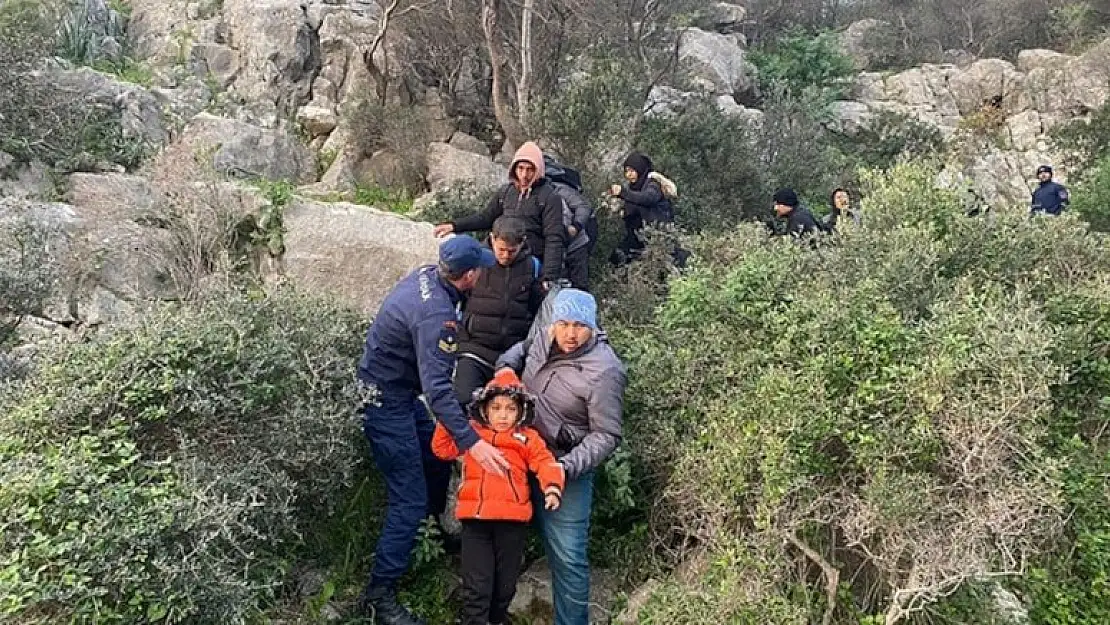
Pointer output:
495, 509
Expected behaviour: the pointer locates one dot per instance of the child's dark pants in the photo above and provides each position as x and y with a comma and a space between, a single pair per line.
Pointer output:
492, 556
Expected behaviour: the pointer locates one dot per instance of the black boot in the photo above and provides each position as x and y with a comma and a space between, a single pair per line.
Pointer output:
380, 603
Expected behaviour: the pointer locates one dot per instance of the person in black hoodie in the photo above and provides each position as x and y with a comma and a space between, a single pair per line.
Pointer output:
529, 196
645, 204
500, 308
799, 221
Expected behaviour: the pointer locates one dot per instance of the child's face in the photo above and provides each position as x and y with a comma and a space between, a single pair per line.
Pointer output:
502, 412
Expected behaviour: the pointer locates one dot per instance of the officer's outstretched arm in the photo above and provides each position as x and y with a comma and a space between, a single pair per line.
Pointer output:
436, 345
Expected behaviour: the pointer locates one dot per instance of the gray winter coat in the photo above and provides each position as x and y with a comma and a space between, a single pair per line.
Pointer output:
580, 210
579, 398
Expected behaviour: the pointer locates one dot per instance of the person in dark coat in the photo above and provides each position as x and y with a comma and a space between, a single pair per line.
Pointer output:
529, 196
1050, 198
500, 308
799, 220
645, 204
410, 350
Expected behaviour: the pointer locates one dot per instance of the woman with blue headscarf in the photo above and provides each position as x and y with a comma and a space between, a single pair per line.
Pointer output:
578, 382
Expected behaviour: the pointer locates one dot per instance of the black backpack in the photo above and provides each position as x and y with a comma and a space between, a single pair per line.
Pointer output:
557, 172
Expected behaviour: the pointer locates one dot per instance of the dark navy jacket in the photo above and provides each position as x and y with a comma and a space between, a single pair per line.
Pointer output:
411, 346
1050, 197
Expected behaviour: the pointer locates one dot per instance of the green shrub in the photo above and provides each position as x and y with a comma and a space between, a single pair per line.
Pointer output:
727, 171
27, 271
378, 197
459, 201
1091, 196
1085, 142
886, 402
891, 137
165, 472
593, 112
806, 63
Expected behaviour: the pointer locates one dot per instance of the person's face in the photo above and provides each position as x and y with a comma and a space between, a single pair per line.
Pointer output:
782, 210
469, 279
1044, 176
505, 252
570, 335
502, 412
525, 173
631, 175
841, 199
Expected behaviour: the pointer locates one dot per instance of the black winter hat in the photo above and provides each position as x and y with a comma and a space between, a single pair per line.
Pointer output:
640, 163
1044, 169
786, 197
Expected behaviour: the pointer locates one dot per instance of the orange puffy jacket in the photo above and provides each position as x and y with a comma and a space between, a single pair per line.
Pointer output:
483, 495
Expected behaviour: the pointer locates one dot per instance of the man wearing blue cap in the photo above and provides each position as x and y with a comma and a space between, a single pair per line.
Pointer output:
410, 349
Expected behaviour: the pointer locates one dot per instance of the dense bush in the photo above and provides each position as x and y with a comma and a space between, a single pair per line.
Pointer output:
864, 428
40, 120
805, 63
163, 472
727, 170
27, 272
1091, 196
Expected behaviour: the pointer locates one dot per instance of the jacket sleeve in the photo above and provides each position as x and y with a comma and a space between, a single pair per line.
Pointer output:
650, 195
514, 357
482, 220
578, 205
543, 463
605, 406
436, 344
1062, 193
443, 446
553, 236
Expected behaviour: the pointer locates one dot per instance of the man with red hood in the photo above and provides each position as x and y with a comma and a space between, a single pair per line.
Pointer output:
528, 196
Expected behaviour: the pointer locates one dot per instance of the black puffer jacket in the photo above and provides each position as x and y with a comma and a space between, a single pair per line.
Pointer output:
500, 308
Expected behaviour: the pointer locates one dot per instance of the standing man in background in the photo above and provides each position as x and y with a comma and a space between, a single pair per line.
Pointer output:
1050, 198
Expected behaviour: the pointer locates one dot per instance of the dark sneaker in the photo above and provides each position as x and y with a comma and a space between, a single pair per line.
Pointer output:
381, 605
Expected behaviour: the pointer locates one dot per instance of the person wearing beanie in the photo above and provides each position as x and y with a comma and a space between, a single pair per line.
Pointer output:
1050, 198
529, 196
579, 383
495, 509
799, 221
410, 350
646, 196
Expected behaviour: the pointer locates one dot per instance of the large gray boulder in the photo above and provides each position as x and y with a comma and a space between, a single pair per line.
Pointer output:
868, 42
245, 150
352, 251
715, 63
449, 166
726, 17
139, 111
279, 53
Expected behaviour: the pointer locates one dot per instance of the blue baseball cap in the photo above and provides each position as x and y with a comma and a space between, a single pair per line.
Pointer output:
463, 253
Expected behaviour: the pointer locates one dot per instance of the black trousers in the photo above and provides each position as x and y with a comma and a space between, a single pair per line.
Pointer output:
578, 268
470, 375
492, 558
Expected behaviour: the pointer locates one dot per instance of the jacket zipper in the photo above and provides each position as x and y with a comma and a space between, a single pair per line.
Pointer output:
482, 484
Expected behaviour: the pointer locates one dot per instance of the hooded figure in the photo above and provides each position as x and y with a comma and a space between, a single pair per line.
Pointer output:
530, 196
646, 195
495, 509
